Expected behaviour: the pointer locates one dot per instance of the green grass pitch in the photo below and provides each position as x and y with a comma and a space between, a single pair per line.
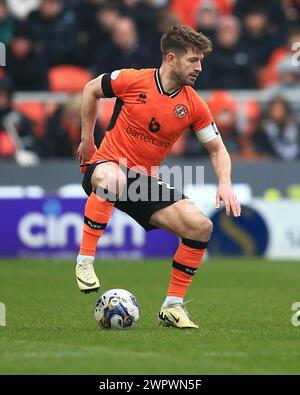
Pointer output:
242, 305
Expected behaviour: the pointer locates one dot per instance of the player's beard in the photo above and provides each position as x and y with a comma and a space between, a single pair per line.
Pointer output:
191, 79
184, 79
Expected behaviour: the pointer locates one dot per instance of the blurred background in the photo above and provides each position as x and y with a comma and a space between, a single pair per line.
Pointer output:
251, 82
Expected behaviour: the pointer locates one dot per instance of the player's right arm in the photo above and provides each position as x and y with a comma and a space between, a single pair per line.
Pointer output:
113, 84
92, 92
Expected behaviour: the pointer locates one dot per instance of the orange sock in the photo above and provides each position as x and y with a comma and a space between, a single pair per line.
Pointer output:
96, 216
185, 264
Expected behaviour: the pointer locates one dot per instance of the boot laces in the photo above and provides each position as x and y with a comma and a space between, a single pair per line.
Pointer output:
87, 269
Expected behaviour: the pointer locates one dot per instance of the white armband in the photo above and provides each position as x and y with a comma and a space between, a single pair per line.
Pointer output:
207, 134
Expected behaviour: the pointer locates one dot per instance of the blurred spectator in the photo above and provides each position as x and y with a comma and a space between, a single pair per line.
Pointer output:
95, 24
288, 74
224, 110
186, 11
288, 84
278, 134
273, 8
25, 67
207, 20
258, 39
125, 50
224, 7
165, 18
6, 24
159, 3
143, 13
106, 18
22, 8
55, 32
17, 139
228, 66
63, 131
270, 75
292, 12
85, 13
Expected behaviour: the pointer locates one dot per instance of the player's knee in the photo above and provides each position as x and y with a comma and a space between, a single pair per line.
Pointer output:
207, 228
113, 181
201, 230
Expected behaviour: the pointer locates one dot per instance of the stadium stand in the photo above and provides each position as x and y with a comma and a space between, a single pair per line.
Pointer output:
55, 47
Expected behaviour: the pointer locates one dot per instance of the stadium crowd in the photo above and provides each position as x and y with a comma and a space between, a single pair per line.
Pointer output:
58, 45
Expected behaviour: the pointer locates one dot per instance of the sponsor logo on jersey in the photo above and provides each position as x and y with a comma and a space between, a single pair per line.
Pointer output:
142, 97
146, 138
180, 110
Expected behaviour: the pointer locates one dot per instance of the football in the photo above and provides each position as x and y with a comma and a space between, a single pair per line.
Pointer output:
117, 309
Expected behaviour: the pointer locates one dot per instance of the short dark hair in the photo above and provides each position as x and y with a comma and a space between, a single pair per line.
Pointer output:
178, 38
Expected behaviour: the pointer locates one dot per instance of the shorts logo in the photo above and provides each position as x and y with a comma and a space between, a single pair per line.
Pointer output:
180, 110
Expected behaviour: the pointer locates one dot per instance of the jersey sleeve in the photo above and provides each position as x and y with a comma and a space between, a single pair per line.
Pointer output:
116, 84
201, 115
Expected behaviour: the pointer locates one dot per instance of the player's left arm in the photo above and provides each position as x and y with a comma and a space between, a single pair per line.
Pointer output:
222, 165
203, 124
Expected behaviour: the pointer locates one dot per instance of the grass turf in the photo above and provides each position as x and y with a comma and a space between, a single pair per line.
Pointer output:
243, 307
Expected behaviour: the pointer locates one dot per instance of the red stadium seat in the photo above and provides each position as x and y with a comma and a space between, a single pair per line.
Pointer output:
248, 110
187, 11
34, 111
220, 100
67, 78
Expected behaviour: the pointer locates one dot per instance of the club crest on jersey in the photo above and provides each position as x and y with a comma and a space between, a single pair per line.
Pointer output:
180, 110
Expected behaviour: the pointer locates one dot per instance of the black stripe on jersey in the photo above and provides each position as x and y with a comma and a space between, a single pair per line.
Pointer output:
183, 268
174, 93
117, 109
106, 85
160, 87
198, 245
158, 83
93, 224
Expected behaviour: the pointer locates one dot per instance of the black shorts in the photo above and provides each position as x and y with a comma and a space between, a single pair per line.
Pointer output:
152, 195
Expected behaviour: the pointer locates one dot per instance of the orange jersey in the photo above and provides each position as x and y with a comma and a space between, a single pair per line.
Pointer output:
147, 121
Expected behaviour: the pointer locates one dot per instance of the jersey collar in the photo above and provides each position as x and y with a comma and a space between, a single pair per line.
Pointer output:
160, 87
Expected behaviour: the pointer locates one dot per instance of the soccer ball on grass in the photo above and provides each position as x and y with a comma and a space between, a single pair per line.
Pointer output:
117, 309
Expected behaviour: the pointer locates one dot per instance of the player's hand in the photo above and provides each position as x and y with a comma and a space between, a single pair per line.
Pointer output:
86, 150
226, 195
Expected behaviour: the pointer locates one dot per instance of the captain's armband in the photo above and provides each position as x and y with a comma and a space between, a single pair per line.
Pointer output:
208, 133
